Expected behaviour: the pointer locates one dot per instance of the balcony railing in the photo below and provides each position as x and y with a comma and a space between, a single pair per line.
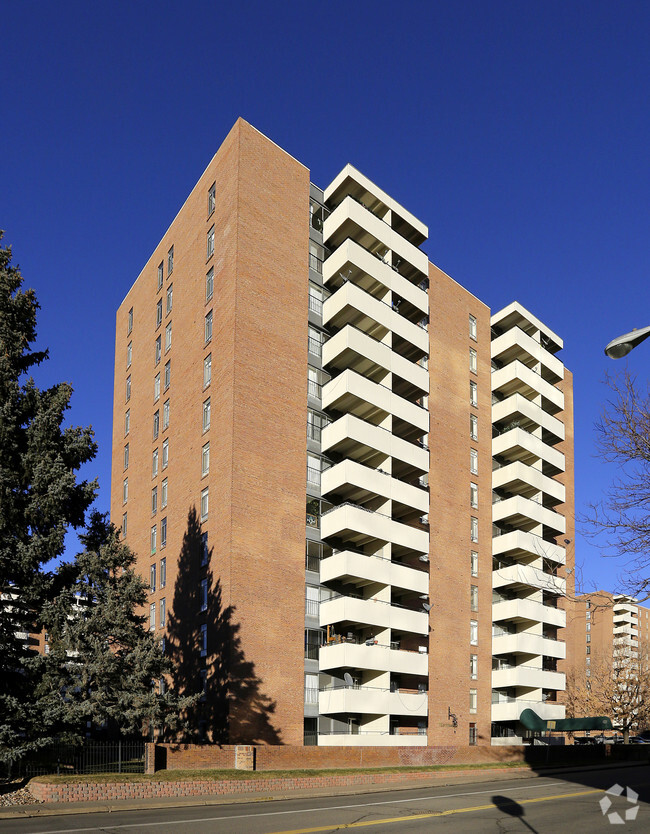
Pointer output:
315, 263
311, 607
316, 305
314, 389
315, 346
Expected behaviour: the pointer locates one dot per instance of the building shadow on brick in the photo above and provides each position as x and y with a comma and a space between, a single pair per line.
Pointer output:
205, 646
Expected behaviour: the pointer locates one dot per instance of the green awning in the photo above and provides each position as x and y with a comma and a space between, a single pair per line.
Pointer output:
532, 721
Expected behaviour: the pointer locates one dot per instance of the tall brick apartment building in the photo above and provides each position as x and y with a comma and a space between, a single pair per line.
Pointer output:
319, 438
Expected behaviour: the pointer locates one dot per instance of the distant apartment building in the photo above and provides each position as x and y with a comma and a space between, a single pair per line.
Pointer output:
349, 485
609, 628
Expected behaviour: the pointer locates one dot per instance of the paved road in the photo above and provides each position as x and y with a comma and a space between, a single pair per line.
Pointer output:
569, 803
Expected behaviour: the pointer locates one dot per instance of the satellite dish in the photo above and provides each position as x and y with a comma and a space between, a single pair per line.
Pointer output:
424, 596
423, 558
426, 606
347, 677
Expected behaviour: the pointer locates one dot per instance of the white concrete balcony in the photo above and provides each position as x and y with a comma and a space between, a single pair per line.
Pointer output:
519, 478
525, 643
517, 378
519, 510
356, 482
518, 444
624, 607
511, 710
372, 612
355, 525
516, 315
625, 617
351, 181
368, 271
352, 305
354, 349
372, 701
528, 414
368, 739
527, 609
373, 657
357, 439
530, 577
520, 543
619, 631
350, 566
352, 220
515, 344
528, 677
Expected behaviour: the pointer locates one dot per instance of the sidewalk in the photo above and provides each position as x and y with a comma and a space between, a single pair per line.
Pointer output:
437, 779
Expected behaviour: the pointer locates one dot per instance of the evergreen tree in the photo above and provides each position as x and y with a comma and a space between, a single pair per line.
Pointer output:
104, 669
39, 498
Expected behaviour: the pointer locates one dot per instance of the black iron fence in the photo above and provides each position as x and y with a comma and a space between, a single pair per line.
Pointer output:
90, 757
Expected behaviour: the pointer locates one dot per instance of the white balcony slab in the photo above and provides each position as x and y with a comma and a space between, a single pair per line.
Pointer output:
372, 702
348, 476
519, 477
372, 613
374, 657
518, 444
512, 711
528, 575
529, 414
372, 740
518, 378
522, 543
351, 348
352, 523
529, 677
372, 569
525, 643
355, 438
351, 304
519, 509
515, 344
526, 609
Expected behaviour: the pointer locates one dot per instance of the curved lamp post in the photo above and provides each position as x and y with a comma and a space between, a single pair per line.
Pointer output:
620, 347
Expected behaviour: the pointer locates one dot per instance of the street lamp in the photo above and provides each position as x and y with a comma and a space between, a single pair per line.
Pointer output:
620, 347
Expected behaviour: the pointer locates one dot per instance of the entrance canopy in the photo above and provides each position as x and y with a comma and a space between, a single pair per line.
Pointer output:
532, 721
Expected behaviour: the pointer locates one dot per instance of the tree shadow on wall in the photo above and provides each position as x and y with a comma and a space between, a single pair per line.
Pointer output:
232, 709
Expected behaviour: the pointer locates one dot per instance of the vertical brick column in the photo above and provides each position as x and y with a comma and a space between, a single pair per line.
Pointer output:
149, 758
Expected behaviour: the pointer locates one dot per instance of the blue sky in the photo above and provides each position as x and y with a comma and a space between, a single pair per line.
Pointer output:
518, 131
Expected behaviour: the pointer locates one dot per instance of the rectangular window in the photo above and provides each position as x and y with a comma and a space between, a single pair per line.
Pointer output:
204, 503
170, 261
207, 370
473, 393
152, 616
203, 643
163, 617
209, 284
163, 533
124, 525
313, 470
473, 362
473, 597
210, 244
474, 529
211, 198
157, 351
473, 735
127, 422
165, 453
129, 327
166, 415
125, 490
160, 275
206, 414
154, 463
473, 700
159, 312
154, 500
205, 459
163, 572
168, 373
315, 299
315, 341
473, 495
170, 297
163, 493
473, 461
473, 561
473, 663
152, 578
208, 327
128, 388
472, 327
156, 387
204, 549
473, 426
129, 354
168, 336
126, 456
153, 539
473, 632
204, 595
156, 424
